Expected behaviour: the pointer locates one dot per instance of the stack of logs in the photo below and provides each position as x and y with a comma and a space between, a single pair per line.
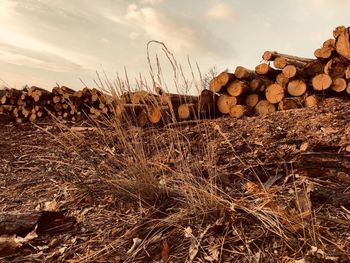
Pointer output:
285, 82
281, 82
140, 107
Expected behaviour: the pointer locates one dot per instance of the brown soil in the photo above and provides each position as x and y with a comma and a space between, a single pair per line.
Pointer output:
281, 188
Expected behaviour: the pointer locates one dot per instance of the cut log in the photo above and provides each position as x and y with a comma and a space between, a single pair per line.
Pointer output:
282, 80
184, 111
347, 72
336, 68
274, 93
321, 82
342, 41
280, 62
225, 102
324, 52
310, 101
238, 111
339, 85
264, 107
245, 74
329, 43
313, 68
252, 99
291, 71
155, 114
290, 103
267, 71
259, 85
237, 88
272, 55
175, 99
296, 88
217, 83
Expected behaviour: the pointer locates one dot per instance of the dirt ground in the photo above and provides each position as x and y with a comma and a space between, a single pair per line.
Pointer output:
259, 189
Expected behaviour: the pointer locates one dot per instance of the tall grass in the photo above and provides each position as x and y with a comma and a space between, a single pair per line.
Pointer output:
174, 175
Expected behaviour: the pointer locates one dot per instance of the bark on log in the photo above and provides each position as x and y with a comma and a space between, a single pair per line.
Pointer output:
290, 103
259, 85
207, 104
348, 88
267, 71
336, 68
313, 68
272, 55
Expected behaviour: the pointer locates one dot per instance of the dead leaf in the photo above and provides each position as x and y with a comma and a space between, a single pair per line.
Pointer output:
304, 203
213, 253
9, 244
51, 206
165, 251
259, 143
188, 232
195, 242
252, 187
304, 146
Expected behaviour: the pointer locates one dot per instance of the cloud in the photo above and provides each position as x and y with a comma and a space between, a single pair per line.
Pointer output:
178, 32
151, 2
26, 57
221, 11
330, 3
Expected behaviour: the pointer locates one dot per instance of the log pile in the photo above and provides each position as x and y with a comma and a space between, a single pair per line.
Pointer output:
281, 82
139, 108
284, 82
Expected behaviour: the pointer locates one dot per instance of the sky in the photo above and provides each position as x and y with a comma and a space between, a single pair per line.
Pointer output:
44, 42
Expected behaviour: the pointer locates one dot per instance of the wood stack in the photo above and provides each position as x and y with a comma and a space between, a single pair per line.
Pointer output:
281, 82
139, 108
284, 82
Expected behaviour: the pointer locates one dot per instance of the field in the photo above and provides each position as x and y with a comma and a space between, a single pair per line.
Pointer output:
270, 188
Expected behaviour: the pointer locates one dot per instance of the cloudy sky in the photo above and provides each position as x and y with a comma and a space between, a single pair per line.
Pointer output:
44, 42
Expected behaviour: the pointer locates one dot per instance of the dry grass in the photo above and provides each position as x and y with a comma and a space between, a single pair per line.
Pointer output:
184, 194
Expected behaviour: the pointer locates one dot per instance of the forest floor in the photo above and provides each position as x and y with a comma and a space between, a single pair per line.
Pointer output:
258, 189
